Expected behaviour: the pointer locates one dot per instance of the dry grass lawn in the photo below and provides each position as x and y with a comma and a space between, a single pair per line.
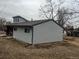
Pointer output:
12, 49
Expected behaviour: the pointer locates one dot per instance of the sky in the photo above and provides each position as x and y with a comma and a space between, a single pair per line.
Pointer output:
25, 8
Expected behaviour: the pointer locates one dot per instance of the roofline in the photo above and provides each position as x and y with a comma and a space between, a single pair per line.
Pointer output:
20, 17
19, 25
38, 23
47, 21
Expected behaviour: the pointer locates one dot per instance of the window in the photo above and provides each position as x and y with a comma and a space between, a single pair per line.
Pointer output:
15, 29
16, 19
27, 30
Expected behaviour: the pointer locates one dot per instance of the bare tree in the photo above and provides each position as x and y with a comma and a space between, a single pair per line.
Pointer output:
2, 23
56, 11
63, 16
49, 10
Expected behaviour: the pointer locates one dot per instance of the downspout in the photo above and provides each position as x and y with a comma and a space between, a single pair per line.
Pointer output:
32, 36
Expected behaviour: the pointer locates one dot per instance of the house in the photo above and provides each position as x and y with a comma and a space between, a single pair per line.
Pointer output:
35, 32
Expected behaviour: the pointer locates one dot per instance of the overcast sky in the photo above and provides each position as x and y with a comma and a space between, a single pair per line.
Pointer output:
26, 8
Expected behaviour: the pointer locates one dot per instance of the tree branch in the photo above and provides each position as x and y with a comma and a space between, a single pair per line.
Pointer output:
43, 12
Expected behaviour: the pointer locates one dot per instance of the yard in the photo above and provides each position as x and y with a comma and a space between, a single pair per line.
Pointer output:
12, 49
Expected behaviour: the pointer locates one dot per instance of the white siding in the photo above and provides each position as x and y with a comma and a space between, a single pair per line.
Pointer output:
19, 34
47, 32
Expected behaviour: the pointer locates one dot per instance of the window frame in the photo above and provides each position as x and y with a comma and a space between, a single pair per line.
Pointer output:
27, 30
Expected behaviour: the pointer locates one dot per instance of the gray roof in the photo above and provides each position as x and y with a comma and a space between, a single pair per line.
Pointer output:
32, 23
27, 23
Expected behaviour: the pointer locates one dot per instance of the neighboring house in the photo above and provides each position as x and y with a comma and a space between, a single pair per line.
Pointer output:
35, 32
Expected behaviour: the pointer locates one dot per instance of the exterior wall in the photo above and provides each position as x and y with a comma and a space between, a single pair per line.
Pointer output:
20, 35
47, 32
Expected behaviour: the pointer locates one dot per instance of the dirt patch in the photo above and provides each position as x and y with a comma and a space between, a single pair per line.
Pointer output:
69, 38
11, 49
